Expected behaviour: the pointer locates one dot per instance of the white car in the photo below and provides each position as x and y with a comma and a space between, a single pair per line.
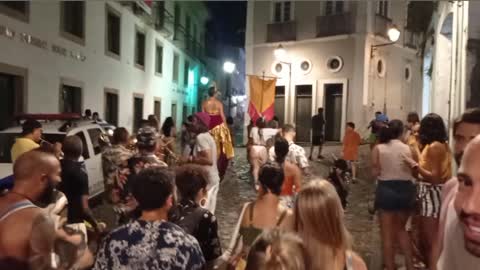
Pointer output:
90, 133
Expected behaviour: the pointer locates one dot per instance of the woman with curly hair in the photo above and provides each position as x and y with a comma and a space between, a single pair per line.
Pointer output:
433, 169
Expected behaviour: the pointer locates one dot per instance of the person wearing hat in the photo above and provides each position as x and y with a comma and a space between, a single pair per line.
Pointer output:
205, 154
124, 203
30, 137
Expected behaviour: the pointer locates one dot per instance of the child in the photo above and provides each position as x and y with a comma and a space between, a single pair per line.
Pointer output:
351, 141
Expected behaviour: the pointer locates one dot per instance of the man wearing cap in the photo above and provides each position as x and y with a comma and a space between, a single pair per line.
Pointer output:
205, 154
31, 136
145, 158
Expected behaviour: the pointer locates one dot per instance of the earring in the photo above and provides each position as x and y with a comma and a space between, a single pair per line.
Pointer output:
203, 202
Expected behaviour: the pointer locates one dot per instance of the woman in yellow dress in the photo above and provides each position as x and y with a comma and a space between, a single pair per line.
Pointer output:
219, 130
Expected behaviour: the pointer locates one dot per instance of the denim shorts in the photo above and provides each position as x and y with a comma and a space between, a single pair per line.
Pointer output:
395, 195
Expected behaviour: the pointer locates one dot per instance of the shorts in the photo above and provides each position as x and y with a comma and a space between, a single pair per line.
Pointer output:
317, 139
395, 195
430, 199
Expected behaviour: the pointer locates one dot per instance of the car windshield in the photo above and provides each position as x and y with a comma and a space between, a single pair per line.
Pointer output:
7, 140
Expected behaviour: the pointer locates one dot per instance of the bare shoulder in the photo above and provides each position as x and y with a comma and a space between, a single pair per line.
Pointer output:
358, 262
288, 222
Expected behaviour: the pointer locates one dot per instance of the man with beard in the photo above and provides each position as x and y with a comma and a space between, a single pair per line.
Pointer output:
461, 224
27, 235
457, 191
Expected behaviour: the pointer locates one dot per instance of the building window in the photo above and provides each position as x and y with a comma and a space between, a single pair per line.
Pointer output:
174, 112
111, 108
158, 59
137, 112
383, 8
176, 63
176, 20
113, 32
73, 20
70, 99
194, 39
140, 49
282, 11
187, 32
185, 113
157, 109
160, 10
185, 74
16, 9
334, 7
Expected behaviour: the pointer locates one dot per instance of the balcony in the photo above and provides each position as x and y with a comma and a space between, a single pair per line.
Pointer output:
284, 31
337, 24
381, 25
410, 39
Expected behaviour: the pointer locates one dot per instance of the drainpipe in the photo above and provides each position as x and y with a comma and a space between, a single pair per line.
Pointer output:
453, 69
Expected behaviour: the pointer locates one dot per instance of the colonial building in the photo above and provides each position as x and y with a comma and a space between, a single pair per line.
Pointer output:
125, 60
333, 61
452, 59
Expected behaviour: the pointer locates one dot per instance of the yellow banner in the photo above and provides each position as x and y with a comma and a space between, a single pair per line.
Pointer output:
262, 93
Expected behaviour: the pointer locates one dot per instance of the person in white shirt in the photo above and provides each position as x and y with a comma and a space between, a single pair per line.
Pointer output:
205, 154
296, 153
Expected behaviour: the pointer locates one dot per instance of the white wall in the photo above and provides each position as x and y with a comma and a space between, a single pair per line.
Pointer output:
98, 71
402, 96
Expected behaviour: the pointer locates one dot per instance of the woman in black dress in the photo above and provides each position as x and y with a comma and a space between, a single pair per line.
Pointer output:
192, 182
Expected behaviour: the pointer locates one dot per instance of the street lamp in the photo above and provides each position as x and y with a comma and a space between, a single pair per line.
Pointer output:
204, 80
280, 54
229, 68
393, 34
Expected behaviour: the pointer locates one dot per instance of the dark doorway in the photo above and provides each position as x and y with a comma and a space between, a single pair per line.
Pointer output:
71, 99
174, 113
11, 98
184, 113
279, 106
157, 109
137, 112
333, 111
111, 108
303, 112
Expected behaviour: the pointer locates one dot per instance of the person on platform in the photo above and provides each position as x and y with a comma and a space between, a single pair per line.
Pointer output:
318, 122
219, 130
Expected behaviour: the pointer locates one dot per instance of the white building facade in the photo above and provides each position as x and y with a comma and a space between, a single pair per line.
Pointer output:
330, 62
125, 60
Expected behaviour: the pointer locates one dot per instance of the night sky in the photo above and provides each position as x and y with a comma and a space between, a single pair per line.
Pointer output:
228, 22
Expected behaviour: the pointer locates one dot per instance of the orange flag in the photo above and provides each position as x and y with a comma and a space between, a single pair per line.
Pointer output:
262, 98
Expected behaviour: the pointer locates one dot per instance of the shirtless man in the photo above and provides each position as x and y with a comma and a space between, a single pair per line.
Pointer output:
26, 233
465, 129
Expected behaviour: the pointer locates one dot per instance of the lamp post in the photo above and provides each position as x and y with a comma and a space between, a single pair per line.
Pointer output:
280, 54
229, 68
393, 35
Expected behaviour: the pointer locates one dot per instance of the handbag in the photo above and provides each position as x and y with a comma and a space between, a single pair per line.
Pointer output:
235, 249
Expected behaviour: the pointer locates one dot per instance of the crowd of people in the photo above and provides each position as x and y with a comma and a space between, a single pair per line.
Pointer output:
164, 198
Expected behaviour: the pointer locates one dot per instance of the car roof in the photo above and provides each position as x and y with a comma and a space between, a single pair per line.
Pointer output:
52, 127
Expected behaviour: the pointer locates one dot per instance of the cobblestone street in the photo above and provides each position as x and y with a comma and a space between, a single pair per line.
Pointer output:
237, 189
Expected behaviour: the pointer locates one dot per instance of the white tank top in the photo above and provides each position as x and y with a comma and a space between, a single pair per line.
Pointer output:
391, 161
454, 255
